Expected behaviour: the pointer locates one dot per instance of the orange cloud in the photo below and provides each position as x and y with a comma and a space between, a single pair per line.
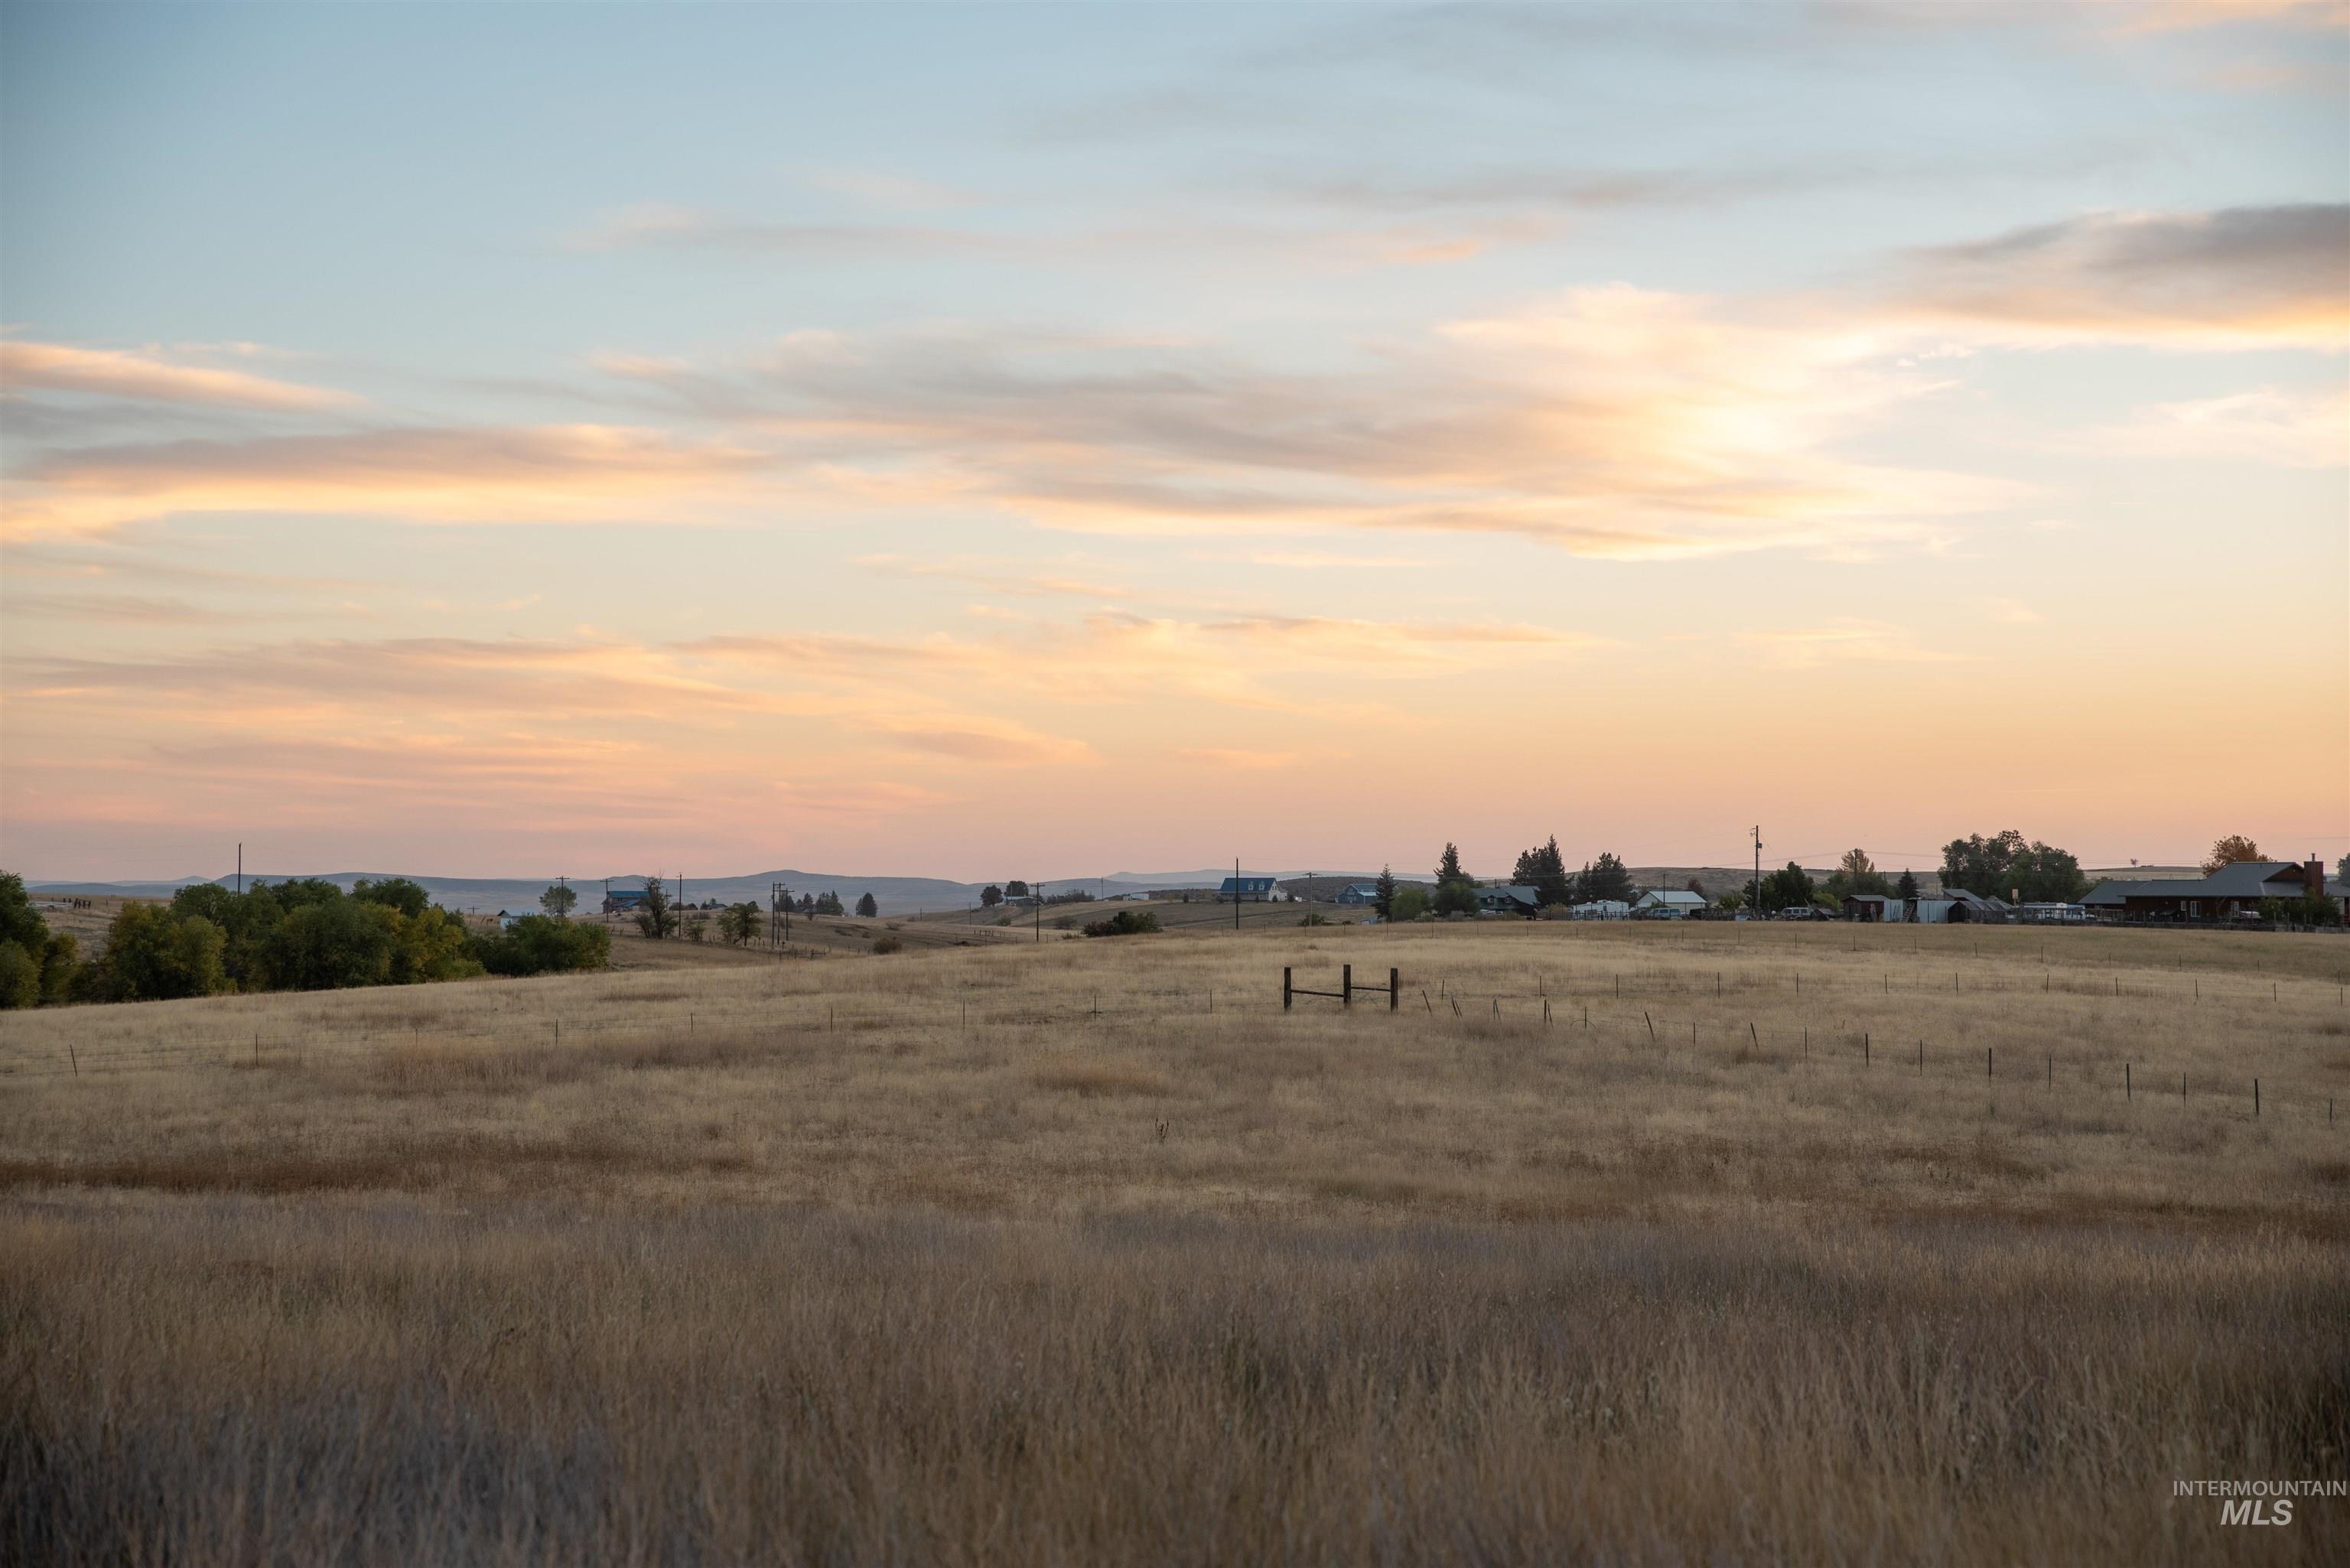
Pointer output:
146, 376
529, 473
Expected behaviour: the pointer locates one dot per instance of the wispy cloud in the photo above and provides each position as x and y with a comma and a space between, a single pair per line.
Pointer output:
975, 574
2239, 278
2287, 429
148, 376
1848, 640
529, 473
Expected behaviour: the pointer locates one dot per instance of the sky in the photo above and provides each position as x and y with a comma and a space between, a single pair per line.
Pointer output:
951, 439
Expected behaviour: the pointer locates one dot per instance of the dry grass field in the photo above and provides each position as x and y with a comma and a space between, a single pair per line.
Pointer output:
1725, 1243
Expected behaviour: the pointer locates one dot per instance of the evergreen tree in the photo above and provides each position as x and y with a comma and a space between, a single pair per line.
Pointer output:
1606, 877
1384, 892
1455, 894
866, 907
1908, 886
1544, 870
1015, 889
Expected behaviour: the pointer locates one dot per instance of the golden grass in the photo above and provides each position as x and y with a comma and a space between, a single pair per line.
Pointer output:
1013, 1254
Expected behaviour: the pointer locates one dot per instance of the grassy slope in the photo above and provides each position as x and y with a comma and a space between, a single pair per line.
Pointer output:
786, 1261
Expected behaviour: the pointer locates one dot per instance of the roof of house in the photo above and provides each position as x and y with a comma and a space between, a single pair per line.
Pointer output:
1248, 884
1866, 899
2242, 879
1516, 893
1674, 898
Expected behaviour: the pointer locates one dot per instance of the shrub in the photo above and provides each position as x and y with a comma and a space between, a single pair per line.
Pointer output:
151, 957
20, 977
1316, 917
1411, 903
1125, 923
537, 944
886, 943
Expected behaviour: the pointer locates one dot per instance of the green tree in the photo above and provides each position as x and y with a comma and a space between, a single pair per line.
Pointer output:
20, 975
393, 892
990, 896
19, 921
1455, 893
62, 969
867, 907
659, 918
1542, 869
433, 945
1448, 866
1015, 889
1732, 900
1788, 888
151, 956
559, 900
1383, 893
1908, 886
2006, 866
329, 946
828, 903
1855, 874
1409, 904
538, 944
51, 958
1606, 877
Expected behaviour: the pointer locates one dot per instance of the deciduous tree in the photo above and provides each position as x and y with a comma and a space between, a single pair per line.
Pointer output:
2228, 851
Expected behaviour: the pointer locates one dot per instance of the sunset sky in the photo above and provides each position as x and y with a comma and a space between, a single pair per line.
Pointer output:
955, 440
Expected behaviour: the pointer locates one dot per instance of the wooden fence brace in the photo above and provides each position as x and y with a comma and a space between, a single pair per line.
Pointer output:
75, 1057
1651, 1024
1423, 1000
1986, 1061
1346, 985
2256, 1099
1751, 1035
1864, 1047
1395, 988
1546, 1009
1456, 1006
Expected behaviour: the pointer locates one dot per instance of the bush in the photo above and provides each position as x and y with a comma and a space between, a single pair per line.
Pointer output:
1455, 898
20, 977
151, 957
885, 944
537, 944
1125, 923
1316, 917
1411, 903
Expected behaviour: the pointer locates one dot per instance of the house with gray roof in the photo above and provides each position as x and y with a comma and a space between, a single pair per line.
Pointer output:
2232, 890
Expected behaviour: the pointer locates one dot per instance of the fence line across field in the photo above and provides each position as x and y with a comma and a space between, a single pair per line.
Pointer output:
1632, 1029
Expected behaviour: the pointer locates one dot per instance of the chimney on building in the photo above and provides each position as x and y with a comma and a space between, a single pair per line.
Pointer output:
2312, 877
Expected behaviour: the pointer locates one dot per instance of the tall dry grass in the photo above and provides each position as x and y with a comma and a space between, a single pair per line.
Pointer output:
1090, 1252
227, 1383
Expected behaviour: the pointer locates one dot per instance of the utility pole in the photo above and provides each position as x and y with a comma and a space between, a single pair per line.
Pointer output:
1036, 892
1236, 893
1758, 870
239, 870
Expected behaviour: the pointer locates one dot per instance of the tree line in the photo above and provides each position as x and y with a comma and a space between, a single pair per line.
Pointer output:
305, 934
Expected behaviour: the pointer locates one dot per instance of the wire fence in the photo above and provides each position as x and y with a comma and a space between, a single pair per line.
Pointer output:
1624, 1010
